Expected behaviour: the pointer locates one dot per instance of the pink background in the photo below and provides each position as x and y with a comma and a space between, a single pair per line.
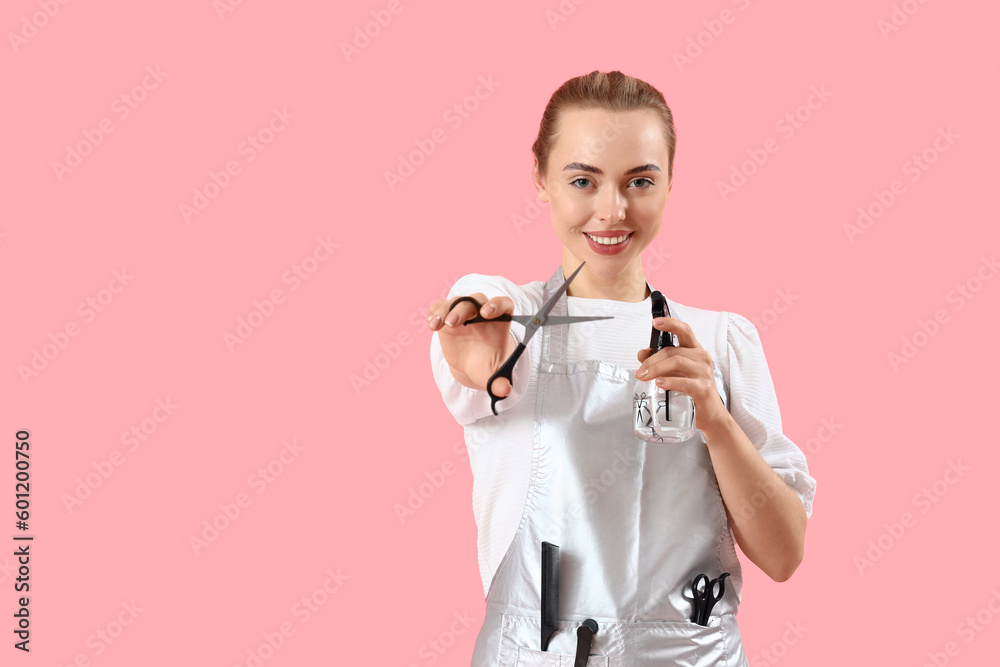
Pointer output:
363, 449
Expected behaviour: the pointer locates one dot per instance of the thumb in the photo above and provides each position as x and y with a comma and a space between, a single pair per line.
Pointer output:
501, 387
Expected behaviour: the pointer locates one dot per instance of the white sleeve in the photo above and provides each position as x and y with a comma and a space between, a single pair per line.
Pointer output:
466, 404
754, 406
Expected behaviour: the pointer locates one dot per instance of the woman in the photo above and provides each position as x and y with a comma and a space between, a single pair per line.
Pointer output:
635, 520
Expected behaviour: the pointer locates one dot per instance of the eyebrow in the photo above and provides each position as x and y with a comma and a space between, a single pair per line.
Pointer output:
580, 166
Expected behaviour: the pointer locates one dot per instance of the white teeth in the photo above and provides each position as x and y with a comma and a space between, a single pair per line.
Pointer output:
608, 240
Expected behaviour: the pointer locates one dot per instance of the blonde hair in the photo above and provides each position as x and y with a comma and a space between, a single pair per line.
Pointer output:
611, 91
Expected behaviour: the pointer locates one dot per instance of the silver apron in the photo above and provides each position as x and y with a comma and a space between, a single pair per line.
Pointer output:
635, 522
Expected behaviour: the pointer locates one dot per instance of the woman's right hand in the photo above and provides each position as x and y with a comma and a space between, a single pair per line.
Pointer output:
475, 351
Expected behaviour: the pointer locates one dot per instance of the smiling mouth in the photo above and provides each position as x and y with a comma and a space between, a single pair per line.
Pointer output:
609, 240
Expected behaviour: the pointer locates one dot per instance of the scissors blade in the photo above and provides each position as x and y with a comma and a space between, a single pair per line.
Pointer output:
542, 315
558, 319
570, 319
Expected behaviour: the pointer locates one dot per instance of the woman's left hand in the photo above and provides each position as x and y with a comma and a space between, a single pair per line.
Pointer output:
688, 368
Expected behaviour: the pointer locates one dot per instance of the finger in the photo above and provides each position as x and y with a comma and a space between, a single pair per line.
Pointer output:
438, 311
647, 357
501, 387
685, 336
462, 311
682, 384
681, 362
660, 364
435, 315
498, 305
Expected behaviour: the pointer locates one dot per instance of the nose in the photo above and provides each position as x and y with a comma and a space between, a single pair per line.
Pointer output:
610, 206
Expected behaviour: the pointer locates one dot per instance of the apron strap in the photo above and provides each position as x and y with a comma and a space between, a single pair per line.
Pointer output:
554, 340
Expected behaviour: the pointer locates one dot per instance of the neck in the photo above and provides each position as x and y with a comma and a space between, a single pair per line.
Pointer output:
629, 285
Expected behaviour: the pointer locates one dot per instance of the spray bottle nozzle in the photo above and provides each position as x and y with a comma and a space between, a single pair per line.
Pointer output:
659, 339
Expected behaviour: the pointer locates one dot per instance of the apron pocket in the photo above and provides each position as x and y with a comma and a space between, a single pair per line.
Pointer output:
625, 643
519, 644
529, 657
682, 643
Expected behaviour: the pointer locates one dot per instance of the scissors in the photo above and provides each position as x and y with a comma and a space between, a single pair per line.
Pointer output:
706, 598
531, 325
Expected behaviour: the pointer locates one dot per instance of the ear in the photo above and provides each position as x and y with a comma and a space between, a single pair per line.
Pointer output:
536, 176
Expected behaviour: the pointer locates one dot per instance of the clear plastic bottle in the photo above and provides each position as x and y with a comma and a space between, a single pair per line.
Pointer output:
660, 415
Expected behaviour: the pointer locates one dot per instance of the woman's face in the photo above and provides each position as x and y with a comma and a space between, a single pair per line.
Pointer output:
607, 185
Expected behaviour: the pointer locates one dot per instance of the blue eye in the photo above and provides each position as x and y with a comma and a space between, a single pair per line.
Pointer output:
587, 180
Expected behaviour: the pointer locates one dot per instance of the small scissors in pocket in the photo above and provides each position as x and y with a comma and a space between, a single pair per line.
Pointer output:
531, 325
707, 597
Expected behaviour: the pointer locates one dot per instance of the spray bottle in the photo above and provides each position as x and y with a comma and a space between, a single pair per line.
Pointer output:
661, 415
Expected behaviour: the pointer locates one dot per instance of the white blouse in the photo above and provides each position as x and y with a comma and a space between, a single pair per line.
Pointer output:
500, 447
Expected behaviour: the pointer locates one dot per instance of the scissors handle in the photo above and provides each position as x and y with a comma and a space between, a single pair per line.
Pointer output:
706, 600
699, 595
506, 317
505, 371
584, 640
